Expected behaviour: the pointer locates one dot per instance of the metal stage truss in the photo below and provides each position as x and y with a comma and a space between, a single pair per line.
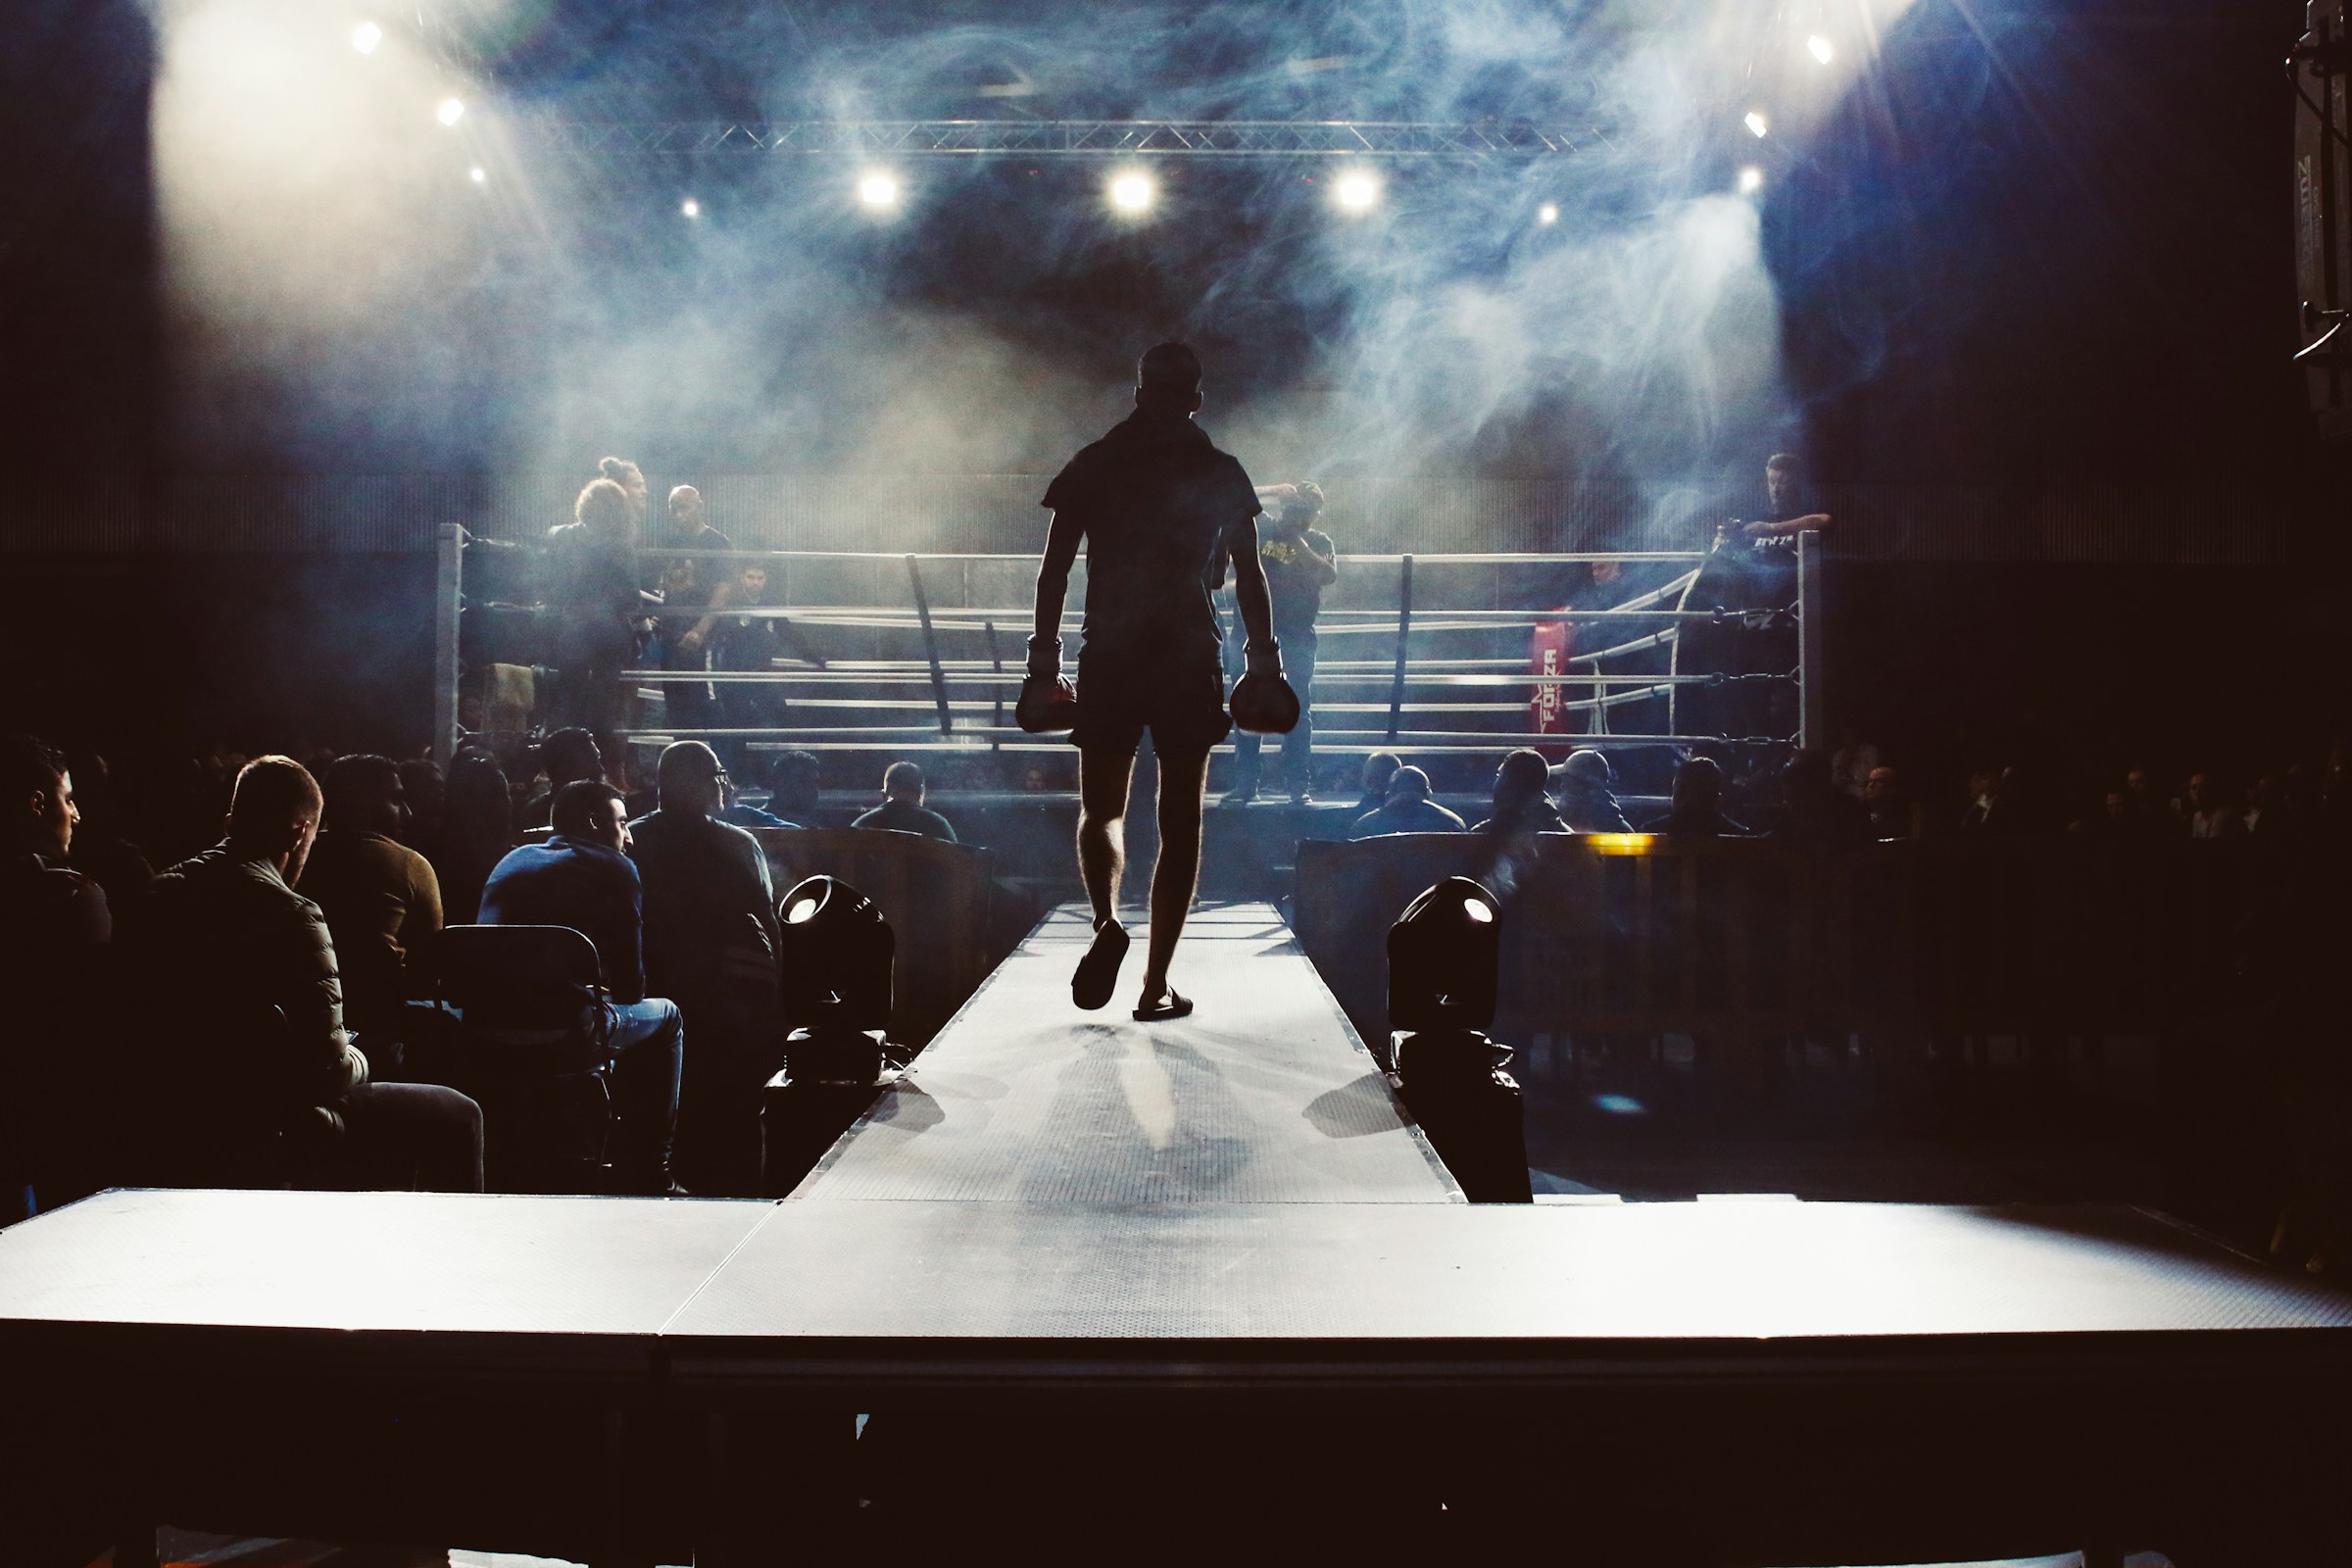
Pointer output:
904, 654
1079, 139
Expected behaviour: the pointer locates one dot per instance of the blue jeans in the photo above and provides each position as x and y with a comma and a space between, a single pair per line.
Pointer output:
647, 1039
1299, 746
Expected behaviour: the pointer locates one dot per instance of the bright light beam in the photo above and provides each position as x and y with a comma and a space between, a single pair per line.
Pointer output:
1755, 122
1132, 192
878, 190
1357, 192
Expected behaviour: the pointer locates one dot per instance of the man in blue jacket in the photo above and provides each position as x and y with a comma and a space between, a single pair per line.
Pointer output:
582, 877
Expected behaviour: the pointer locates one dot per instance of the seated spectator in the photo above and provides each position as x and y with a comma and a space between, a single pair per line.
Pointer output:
100, 852
1587, 803
477, 829
1852, 763
248, 967
710, 947
1408, 810
381, 901
1890, 807
1379, 770
2157, 815
2211, 816
796, 787
741, 813
1697, 812
1521, 804
54, 927
567, 757
426, 788
1983, 803
902, 810
708, 898
582, 877
1820, 814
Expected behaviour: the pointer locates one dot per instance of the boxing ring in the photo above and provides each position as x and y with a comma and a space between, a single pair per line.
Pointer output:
913, 653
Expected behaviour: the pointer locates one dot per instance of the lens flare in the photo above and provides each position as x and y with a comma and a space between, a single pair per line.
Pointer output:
365, 36
1756, 124
1357, 192
691, 207
1547, 214
1821, 49
1751, 180
451, 112
478, 174
878, 190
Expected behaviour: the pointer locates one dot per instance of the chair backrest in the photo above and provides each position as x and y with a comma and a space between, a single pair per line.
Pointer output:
519, 977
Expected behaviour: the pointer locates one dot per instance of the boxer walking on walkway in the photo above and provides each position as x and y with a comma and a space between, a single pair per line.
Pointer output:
1161, 512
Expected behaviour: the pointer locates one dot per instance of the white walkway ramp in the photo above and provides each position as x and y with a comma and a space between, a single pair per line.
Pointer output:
1264, 1095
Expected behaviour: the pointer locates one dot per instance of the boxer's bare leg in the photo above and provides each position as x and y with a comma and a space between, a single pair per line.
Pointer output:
1183, 781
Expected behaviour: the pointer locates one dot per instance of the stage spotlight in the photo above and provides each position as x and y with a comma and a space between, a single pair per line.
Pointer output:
365, 36
1751, 180
878, 190
835, 952
1443, 956
1357, 192
1821, 49
1756, 124
1132, 191
449, 112
478, 174
691, 207
1547, 214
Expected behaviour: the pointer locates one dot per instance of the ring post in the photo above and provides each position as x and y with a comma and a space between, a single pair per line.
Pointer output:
939, 680
1404, 628
449, 608
1811, 730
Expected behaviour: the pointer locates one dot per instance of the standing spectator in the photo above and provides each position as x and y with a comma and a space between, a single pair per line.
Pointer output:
477, 829
1300, 561
902, 810
1697, 809
2211, 816
591, 594
710, 947
745, 644
1588, 805
1379, 770
693, 587
381, 901
582, 877
1408, 810
247, 968
1983, 803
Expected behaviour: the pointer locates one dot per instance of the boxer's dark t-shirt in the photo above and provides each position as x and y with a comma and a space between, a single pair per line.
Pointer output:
1158, 500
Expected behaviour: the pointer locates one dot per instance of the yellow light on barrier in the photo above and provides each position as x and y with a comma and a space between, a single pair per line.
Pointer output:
1619, 843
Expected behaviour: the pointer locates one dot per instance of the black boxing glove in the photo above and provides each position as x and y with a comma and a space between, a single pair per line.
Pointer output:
1049, 703
1262, 702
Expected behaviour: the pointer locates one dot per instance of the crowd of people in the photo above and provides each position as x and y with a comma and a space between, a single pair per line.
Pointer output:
1849, 797
266, 1001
